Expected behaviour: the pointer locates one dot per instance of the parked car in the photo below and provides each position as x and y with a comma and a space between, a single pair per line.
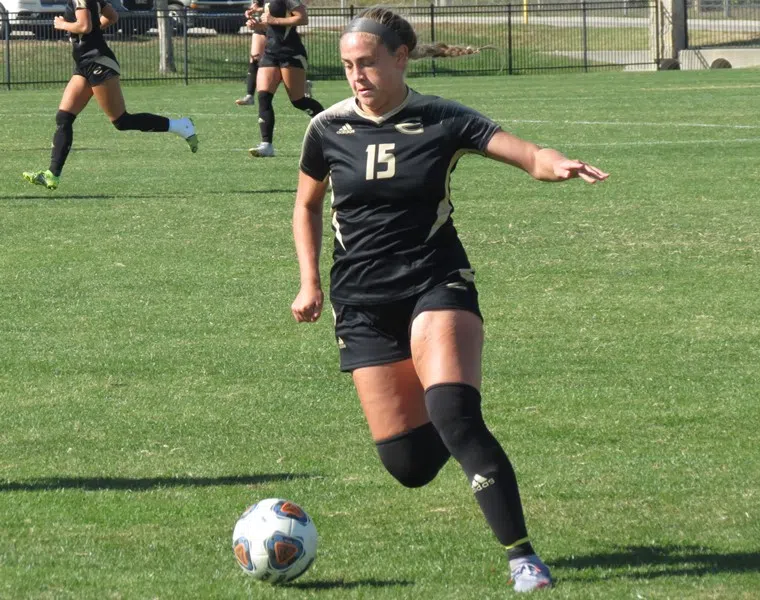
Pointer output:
32, 16
224, 16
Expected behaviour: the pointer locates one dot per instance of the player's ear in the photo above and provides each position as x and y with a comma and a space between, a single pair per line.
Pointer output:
402, 55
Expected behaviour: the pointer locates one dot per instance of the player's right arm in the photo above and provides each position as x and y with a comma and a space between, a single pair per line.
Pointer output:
307, 233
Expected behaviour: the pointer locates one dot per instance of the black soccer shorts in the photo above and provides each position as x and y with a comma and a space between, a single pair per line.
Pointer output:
97, 73
284, 60
372, 335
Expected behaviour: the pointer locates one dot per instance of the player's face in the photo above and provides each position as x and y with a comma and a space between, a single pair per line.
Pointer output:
375, 75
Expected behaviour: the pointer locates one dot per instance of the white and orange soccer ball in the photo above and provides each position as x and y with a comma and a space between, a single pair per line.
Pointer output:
275, 540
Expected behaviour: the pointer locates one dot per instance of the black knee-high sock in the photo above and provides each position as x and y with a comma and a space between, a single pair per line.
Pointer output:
266, 116
250, 80
141, 122
308, 105
62, 140
454, 409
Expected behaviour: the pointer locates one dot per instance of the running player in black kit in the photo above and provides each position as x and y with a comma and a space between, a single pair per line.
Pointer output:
258, 41
407, 320
96, 73
284, 60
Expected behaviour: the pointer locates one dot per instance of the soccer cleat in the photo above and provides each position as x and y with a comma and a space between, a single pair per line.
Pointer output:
185, 128
263, 150
308, 88
45, 178
530, 574
246, 100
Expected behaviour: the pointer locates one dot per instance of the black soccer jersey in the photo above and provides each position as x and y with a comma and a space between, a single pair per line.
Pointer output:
88, 47
391, 212
281, 39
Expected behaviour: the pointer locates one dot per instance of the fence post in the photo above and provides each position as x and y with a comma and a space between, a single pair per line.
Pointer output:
432, 33
351, 12
509, 40
187, 47
7, 37
585, 37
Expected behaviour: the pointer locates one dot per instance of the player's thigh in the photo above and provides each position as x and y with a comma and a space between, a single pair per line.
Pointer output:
76, 95
392, 398
257, 45
447, 347
294, 79
110, 98
267, 79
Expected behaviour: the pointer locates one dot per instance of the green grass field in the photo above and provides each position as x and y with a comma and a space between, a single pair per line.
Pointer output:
153, 383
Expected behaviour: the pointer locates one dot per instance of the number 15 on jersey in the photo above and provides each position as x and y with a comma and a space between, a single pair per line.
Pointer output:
380, 155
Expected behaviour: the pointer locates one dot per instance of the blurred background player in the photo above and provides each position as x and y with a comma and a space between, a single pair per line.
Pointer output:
96, 73
285, 60
407, 320
258, 40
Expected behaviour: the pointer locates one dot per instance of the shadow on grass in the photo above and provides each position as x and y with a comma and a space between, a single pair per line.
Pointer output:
57, 195
140, 483
649, 562
348, 585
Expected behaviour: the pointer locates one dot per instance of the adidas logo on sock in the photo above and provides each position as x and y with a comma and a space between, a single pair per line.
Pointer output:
480, 483
345, 130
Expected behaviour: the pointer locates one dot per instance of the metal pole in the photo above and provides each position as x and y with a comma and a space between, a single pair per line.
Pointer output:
432, 32
184, 35
509, 40
7, 36
585, 37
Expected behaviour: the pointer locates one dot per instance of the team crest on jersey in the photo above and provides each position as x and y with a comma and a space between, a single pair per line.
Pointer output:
409, 127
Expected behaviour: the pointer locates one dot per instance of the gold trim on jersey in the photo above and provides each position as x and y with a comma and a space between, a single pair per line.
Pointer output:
382, 118
444, 206
334, 217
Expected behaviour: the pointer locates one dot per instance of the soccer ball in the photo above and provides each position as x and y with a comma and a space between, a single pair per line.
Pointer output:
275, 541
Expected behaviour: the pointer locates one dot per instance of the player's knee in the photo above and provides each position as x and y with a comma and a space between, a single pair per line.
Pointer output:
454, 409
64, 119
123, 122
304, 104
414, 457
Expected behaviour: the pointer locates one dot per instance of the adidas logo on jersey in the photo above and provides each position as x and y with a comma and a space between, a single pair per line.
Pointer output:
480, 483
345, 130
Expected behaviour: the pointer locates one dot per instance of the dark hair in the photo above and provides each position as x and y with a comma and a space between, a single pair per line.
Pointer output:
403, 31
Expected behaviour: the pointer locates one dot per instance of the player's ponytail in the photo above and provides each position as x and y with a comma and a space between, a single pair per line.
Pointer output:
441, 50
394, 31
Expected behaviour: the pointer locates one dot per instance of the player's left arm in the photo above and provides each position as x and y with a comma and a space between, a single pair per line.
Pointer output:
544, 164
297, 16
83, 23
108, 15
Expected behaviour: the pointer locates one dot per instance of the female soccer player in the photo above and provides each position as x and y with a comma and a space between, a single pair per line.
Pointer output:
96, 73
258, 40
284, 60
407, 320
257, 48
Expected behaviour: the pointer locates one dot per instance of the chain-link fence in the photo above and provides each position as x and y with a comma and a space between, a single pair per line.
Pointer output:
512, 39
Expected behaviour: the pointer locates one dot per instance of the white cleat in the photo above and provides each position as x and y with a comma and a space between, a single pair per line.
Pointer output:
263, 150
246, 100
530, 574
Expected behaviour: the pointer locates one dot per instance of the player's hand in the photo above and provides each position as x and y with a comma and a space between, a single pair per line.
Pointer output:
568, 169
307, 307
59, 23
265, 18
